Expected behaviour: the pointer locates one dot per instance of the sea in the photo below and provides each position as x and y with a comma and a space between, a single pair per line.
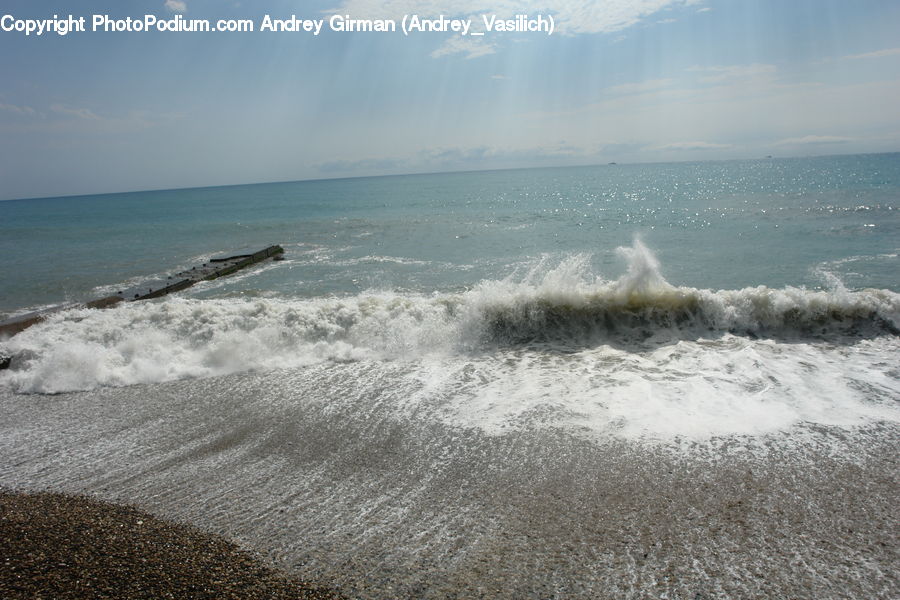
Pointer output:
542, 382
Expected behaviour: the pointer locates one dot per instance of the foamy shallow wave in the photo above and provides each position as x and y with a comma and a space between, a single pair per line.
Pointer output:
555, 307
446, 362
687, 391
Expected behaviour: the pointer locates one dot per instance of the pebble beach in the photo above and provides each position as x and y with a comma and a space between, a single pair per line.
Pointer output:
58, 546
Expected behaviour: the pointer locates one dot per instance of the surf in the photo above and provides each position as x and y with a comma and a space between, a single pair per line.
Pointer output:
555, 305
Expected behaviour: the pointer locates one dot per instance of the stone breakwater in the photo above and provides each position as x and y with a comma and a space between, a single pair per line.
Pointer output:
212, 269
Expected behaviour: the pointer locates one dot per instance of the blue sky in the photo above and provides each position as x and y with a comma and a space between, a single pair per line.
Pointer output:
618, 80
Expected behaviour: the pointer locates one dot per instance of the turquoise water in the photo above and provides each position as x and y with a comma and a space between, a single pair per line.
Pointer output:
535, 279
718, 225
573, 382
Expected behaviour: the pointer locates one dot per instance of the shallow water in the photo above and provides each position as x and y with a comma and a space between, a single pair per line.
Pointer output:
361, 487
673, 381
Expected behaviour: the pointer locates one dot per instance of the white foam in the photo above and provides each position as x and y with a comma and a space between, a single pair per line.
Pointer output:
644, 277
693, 390
690, 378
397, 260
180, 338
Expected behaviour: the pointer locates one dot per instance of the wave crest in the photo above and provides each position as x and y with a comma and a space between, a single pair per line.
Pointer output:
688, 313
567, 303
563, 305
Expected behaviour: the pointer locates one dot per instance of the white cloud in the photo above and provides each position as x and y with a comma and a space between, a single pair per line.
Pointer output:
178, 6
499, 77
814, 140
704, 9
651, 85
363, 164
471, 47
750, 115
877, 53
571, 16
81, 113
693, 146
21, 110
467, 157
733, 72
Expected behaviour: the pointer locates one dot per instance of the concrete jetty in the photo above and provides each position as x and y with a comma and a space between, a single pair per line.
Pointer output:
211, 269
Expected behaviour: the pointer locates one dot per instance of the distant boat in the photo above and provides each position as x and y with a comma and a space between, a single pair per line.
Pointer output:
612, 163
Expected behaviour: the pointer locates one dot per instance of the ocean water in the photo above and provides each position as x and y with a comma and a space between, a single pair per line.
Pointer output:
441, 356
614, 297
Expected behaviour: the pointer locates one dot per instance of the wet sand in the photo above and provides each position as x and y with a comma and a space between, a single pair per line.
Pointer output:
382, 500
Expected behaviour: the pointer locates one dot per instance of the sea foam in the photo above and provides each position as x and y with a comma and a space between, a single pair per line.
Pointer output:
560, 306
556, 345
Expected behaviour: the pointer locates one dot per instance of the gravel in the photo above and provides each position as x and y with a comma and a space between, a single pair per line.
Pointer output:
59, 546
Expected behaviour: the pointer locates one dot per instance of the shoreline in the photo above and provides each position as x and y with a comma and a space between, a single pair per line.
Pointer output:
343, 481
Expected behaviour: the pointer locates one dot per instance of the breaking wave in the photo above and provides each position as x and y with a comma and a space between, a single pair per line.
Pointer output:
559, 305
642, 305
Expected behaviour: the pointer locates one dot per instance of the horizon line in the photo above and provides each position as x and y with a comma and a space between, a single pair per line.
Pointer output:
449, 172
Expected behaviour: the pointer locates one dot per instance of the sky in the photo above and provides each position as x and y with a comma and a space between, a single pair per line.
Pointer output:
616, 81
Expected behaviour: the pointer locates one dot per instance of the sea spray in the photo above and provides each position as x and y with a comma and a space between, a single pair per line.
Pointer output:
643, 278
563, 306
